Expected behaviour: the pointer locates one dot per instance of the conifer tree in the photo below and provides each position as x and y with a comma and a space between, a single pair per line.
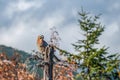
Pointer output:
94, 62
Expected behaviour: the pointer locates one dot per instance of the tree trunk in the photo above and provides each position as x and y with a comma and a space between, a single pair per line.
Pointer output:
48, 66
50, 71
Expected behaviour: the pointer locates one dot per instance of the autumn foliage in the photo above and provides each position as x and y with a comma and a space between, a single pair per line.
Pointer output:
13, 70
63, 72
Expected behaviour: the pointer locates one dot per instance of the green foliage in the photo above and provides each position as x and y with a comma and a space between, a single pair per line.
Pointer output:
78, 77
95, 63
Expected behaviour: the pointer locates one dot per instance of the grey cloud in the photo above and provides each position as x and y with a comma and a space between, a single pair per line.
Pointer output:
60, 13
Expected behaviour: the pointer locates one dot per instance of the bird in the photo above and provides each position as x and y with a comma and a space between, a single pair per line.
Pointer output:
41, 44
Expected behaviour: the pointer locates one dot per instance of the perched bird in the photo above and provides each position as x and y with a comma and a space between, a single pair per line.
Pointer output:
41, 43
43, 48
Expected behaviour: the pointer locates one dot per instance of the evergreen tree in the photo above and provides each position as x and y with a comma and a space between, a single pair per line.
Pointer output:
93, 62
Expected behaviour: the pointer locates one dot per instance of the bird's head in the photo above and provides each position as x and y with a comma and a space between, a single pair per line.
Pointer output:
41, 36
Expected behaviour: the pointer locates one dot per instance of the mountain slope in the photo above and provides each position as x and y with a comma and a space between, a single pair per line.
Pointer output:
9, 51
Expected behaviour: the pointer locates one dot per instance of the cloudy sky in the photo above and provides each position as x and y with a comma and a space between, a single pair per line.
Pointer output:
21, 21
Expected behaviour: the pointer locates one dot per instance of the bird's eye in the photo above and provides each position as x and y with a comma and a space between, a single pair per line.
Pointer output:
40, 38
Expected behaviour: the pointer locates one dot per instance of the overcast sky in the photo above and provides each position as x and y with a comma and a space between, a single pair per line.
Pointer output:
21, 21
